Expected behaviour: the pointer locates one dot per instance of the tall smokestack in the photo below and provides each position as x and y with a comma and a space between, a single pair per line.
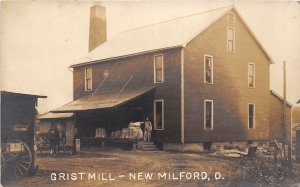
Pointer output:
98, 31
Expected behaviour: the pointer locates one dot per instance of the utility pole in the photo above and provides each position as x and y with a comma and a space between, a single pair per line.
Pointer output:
286, 139
283, 111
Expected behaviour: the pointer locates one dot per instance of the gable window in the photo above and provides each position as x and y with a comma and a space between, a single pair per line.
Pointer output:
159, 115
158, 69
251, 75
230, 39
208, 69
208, 114
231, 17
251, 116
88, 79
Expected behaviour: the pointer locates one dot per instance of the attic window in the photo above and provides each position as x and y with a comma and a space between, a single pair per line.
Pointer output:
231, 17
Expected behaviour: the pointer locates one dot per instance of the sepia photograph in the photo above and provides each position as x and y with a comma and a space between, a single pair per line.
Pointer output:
150, 93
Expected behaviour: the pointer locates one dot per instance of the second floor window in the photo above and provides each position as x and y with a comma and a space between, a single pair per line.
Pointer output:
158, 69
208, 69
251, 75
230, 39
88, 79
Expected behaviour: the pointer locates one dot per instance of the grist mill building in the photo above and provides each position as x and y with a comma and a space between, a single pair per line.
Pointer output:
202, 80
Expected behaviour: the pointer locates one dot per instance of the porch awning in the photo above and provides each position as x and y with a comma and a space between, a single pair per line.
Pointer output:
50, 115
102, 100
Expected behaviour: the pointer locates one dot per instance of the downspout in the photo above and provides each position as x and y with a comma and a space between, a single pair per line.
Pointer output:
182, 96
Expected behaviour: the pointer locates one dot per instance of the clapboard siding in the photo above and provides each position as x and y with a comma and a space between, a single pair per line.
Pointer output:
276, 119
142, 66
229, 91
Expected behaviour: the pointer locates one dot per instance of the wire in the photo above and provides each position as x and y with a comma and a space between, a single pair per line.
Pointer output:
177, 18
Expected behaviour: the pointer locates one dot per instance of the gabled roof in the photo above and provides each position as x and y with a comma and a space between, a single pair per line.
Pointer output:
280, 98
164, 35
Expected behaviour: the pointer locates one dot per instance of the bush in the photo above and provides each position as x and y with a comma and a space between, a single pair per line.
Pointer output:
265, 172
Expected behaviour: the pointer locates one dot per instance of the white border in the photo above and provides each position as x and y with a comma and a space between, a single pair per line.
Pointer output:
233, 39
212, 69
163, 69
212, 114
163, 114
254, 75
85, 85
182, 95
254, 117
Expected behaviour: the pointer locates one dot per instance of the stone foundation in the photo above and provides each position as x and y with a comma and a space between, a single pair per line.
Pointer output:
262, 146
188, 147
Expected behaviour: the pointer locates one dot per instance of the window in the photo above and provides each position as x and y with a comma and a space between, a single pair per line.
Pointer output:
251, 75
159, 115
230, 39
208, 114
158, 69
208, 69
251, 116
231, 17
88, 79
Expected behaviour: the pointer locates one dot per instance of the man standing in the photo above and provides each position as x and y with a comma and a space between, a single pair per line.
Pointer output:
148, 130
53, 136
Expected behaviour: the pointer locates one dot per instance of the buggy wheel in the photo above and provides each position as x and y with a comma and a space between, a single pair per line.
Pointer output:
16, 158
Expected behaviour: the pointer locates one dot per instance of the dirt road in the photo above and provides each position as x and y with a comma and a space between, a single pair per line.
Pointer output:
134, 168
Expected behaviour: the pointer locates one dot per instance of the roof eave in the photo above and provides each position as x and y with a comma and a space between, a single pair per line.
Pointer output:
281, 98
123, 56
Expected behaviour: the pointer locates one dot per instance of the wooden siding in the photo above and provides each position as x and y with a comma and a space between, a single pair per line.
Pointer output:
229, 91
18, 109
122, 69
276, 121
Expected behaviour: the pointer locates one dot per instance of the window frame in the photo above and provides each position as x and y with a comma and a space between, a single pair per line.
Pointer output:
162, 68
232, 13
86, 78
253, 115
163, 114
212, 114
212, 69
233, 42
248, 75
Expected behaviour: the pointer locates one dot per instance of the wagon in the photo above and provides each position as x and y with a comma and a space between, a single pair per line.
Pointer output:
18, 114
16, 159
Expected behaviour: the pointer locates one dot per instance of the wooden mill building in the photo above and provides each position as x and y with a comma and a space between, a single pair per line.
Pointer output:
200, 79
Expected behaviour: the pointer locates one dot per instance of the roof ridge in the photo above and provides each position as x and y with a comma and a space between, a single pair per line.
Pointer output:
144, 26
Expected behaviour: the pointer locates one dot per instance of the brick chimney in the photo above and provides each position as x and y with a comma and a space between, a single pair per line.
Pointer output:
98, 33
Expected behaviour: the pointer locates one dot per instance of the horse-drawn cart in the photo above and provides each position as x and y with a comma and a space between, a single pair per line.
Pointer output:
16, 159
17, 134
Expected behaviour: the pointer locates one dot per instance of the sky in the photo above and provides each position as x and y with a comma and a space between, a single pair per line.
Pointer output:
40, 40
